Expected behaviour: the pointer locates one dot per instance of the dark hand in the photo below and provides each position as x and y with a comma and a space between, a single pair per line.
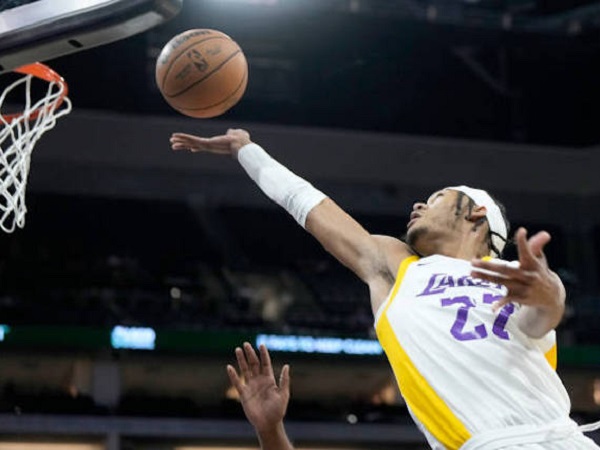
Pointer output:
263, 401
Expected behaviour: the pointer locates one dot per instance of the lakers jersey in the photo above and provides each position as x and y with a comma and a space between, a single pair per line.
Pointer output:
461, 368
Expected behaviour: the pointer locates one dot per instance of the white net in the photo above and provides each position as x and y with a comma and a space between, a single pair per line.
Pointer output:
17, 140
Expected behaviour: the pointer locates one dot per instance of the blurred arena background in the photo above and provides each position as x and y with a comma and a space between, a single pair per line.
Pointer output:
140, 270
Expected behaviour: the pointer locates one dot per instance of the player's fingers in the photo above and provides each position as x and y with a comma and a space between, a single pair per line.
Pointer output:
183, 136
186, 145
526, 257
242, 363
515, 287
188, 138
515, 273
215, 144
200, 142
496, 306
253, 361
538, 242
493, 278
266, 367
179, 146
284, 379
235, 379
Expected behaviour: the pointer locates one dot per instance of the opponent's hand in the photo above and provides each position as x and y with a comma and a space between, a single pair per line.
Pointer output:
532, 282
263, 401
227, 144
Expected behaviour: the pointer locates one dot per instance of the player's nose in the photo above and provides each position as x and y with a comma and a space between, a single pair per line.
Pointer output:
417, 206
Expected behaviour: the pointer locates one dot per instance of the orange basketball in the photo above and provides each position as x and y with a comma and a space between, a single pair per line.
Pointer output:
202, 73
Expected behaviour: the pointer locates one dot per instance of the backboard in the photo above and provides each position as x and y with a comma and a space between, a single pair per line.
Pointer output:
39, 30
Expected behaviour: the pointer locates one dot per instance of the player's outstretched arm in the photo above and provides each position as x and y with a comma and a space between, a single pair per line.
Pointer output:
532, 284
374, 259
263, 401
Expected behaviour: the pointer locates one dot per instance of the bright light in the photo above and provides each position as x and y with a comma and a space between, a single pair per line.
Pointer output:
324, 345
136, 338
4, 330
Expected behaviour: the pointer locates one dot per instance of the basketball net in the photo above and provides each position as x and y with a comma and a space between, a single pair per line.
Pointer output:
18, 134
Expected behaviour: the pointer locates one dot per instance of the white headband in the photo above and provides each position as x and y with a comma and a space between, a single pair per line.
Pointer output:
494, 215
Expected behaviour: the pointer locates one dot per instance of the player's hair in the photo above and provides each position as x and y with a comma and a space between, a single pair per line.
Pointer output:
470, 205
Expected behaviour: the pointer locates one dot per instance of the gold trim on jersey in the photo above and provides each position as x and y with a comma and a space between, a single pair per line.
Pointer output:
552, 356
427, 406
400, 276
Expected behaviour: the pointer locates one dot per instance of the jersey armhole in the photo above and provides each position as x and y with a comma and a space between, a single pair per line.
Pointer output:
406, 262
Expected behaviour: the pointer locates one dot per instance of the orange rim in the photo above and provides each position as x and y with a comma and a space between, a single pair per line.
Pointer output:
45, 73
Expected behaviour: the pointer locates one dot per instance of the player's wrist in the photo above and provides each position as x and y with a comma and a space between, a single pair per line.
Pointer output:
237, 148
269, 429
273, 436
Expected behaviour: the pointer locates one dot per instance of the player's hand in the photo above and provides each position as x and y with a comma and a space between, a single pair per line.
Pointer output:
227, 144
263, 401
532, 282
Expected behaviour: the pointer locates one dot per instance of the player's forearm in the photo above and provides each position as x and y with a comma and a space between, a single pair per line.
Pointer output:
537, 320
296, 195
339, 233
274, 439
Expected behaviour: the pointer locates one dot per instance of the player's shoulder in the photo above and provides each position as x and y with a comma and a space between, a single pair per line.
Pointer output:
393, 244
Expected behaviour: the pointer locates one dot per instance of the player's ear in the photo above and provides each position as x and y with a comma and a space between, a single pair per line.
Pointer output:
478, 213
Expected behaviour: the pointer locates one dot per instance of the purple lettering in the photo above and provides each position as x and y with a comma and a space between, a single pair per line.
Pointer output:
503, 316
433, 286
457, 330
465, 281
439, 282
447, 282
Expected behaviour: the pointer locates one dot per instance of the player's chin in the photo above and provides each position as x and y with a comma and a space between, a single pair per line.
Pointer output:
415, 234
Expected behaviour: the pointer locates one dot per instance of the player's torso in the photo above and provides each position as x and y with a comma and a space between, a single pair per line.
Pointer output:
458, 364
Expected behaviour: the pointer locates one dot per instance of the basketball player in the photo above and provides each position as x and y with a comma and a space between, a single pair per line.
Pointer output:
263, 401
471, 340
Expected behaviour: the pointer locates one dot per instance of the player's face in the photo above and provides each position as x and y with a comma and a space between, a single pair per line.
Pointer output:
434, 219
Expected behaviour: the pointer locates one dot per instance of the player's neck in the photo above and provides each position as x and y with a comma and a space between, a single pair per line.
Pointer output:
461, 245
455, 250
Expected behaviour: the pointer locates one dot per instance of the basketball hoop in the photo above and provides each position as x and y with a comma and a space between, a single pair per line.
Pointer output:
18, 134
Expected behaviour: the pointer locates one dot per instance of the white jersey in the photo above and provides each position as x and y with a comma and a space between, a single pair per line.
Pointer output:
462, 369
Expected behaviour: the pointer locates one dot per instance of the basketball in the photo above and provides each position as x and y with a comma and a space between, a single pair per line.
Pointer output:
202, 73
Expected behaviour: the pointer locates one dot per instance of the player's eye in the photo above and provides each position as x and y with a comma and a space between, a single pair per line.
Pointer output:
434, 197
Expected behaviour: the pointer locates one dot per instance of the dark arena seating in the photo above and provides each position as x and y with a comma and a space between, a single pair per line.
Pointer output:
137, 262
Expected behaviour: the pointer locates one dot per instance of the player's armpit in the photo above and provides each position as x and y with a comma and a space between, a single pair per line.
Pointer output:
371, 258
395, 252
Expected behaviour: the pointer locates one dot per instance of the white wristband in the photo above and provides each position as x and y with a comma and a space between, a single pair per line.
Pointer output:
296, 195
